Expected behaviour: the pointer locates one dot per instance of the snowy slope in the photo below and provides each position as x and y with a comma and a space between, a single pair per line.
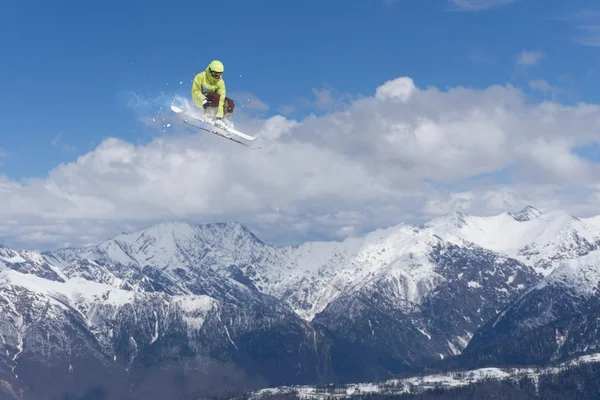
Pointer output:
321, 272
594, 222
29, 262
572, 288
540, 240
399, 256
580, 275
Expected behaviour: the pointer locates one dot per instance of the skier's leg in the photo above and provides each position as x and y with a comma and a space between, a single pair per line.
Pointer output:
228, 108
229, 105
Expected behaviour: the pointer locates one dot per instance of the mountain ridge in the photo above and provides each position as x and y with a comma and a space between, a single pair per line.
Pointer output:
390, 301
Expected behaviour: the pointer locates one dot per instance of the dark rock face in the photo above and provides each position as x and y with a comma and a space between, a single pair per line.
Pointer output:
553, 321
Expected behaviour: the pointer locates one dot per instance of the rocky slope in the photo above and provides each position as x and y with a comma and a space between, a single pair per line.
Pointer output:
554, 320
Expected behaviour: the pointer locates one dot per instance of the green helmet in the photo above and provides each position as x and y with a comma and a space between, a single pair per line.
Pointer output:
216, 66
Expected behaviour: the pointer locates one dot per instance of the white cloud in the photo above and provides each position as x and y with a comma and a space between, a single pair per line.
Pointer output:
329, 100
479, 5
400, 88
530, 58
404, 154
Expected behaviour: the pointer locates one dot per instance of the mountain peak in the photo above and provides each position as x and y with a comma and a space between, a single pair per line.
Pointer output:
527, 214
183, 229
174, 244
454, 219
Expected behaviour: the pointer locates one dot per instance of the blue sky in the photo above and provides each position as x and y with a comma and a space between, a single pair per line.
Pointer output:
69, 68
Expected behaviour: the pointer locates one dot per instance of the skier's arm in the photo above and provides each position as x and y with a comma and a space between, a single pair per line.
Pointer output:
197, 94
222, 93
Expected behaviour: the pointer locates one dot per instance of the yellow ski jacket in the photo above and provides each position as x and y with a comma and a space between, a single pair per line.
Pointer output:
204, 83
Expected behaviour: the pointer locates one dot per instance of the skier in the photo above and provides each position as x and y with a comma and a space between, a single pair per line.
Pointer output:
208, 93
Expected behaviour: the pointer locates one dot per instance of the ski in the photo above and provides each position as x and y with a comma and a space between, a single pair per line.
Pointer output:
229, 130
220, 134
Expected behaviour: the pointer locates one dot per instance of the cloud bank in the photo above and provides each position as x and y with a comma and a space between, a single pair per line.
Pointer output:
404, 154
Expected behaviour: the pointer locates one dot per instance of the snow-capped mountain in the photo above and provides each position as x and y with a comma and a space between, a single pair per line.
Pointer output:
412, 272
537, 239
30, 263
421, 306
62, 338
185, 297
310, 276
179, 245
